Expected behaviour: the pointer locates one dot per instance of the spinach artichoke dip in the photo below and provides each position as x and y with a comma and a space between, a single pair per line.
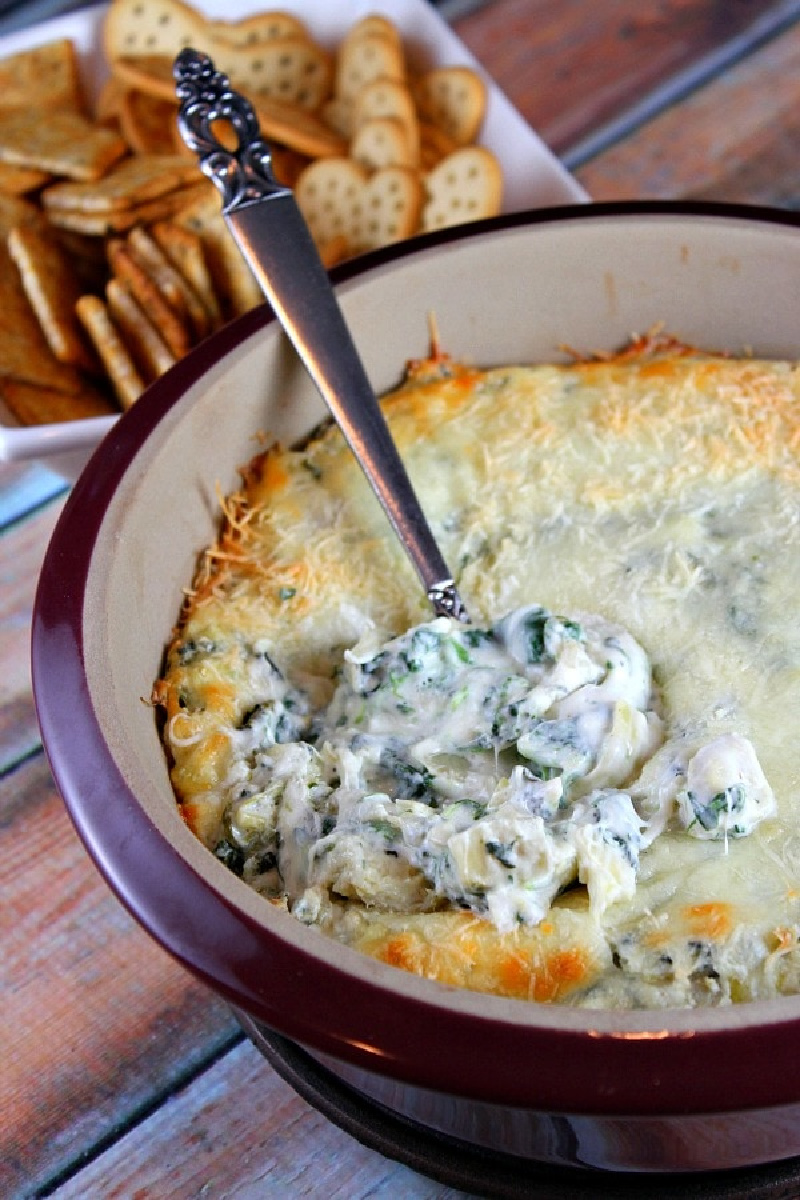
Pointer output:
588, 795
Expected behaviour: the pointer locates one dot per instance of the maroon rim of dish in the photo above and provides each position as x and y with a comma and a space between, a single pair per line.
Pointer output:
660, 1069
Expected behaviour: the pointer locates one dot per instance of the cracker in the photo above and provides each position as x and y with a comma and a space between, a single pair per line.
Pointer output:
337, 113
24, 352
149, 73
171, 325
453, 99
253, 31
158, 27
234, 282
293, 70
165, 26
171, 283
287, 164
64, 143
340, 198
16, 211
373, 25
297, 129
335, 251
362, 59
383, 142
434, 145
147, 122
16, 181
465, 186
34, 404
184, 249
137, 331
135, 180
120, 220
388, 98
125, 378
108, 104
45, 77
51, 286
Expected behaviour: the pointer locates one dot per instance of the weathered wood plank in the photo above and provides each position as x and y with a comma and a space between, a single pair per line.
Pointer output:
735, 140
22, 549
239, 1130
571, 68
100, 1020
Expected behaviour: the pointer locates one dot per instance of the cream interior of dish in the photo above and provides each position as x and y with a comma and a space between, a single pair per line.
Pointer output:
590, 794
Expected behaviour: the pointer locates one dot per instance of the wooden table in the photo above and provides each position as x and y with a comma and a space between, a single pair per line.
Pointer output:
121, 1075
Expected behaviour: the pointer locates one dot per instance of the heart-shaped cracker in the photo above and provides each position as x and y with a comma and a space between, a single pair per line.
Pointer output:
454, 99
159, 27
254, 31
339, 198
465, 186
389, 98
383, 142
362, 59
373, 25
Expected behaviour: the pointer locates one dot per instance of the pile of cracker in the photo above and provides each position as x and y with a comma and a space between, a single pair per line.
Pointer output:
116, 259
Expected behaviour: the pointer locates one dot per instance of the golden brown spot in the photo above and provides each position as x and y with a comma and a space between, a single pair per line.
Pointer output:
714, 920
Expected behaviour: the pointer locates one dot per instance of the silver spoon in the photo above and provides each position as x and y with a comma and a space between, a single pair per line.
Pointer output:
272, 234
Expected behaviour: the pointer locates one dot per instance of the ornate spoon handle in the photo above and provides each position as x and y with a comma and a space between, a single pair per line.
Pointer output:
271, 233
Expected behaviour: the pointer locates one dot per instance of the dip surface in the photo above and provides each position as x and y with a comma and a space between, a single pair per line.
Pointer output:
591, 795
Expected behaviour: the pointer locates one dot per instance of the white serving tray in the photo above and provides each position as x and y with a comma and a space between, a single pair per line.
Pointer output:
533, 176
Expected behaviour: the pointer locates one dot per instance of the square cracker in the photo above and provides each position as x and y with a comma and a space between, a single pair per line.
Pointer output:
119, 220
138, 178
147, 122
64, 143
34, 404
16, 211
184, 249
16, 181
51, 285
44, 76
233, 280
122, 371
24, 352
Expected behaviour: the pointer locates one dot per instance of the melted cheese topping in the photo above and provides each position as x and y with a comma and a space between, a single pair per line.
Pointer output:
600, 810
